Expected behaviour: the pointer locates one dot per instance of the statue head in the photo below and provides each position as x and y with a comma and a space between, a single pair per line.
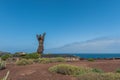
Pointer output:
41, 36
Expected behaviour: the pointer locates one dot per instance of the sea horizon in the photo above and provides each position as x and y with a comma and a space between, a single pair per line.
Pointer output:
92, 55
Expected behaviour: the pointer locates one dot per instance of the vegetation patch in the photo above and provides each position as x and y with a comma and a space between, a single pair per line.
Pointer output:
24, 62
96, 70
49, 60
2, 64
84, 73
97, 76
118, 70
6, 56
31, 56
67, 69
91, 59
43, 60
58, 59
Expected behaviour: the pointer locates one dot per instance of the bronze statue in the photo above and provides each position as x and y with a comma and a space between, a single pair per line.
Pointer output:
40, 39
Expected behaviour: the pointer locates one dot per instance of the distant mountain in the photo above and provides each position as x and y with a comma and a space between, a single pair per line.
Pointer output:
100, 45
2, 53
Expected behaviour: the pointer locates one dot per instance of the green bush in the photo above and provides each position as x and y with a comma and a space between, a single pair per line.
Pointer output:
90, 76
49, 60
97, 76
118, 70
97, 70
31, 56
58, 59
67, 69
5, 57
91, 59
24, 62
2, 65
36, 60
44, 60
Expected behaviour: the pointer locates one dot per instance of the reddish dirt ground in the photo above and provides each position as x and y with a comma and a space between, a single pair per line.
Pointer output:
40, 71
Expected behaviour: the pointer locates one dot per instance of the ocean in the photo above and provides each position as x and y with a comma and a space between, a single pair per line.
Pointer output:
85, 55
88, 55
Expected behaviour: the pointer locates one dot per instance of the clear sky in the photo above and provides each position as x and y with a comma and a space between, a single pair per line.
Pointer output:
64, 21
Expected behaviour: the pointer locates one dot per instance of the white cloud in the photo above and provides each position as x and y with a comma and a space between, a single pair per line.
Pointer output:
102, 45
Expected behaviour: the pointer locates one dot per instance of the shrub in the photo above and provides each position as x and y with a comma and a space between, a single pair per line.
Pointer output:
89, 76
24, 62
5, 57
97, 70
91, 59
2, 65
31, 56
67, 69
118, 70
36, 60
58, 59
44, 60
49, 60
97, 76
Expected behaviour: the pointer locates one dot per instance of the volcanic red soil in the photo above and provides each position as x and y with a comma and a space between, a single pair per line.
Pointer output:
40, 71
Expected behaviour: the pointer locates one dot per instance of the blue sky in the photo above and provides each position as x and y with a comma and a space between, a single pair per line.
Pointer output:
64, 21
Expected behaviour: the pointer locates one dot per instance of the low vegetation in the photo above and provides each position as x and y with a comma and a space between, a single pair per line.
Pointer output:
67, 69
6, 56
2, 64
84, 73
97, 70
118, 70
31, 56
39, 60
97, 76
91, 59
24, 62
49, 60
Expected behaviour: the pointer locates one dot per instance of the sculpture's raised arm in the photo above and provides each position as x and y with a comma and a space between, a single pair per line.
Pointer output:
38, 36
44, 34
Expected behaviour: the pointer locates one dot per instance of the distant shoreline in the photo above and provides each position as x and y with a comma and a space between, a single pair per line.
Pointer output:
87, 55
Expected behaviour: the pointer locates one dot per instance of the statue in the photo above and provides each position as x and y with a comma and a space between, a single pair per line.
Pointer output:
40, 39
